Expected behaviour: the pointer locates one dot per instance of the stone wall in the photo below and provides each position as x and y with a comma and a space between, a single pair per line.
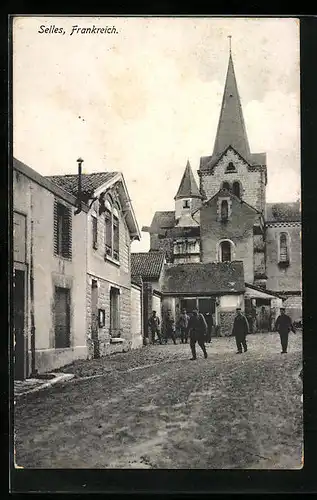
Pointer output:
284, 278
252, 180
226, 322
105, 347
238, 229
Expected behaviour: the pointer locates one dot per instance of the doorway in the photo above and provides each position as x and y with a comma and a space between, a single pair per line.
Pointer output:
19, 324
94, 318
114, 312
62, 317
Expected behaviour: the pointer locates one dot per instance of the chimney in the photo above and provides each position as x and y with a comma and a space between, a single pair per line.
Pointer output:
79, 161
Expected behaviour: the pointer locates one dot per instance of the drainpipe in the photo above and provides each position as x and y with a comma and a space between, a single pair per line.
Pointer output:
33, 369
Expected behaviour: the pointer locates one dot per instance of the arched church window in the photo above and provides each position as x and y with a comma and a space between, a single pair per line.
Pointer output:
226, 185
236, 189
231, 167
284, 253
224, 210
225, 251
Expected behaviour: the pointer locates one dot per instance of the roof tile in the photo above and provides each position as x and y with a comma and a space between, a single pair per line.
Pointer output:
89, 182
200, 278
148, 265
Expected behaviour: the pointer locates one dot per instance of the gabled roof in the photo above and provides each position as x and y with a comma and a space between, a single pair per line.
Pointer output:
231, 129
162, 220
188, 187
209, 162
283, 212
46, 183
89, 182
225, 192
92, 184
207, 279
148, 265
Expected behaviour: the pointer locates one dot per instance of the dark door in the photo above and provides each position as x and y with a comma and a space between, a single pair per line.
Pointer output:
19, 324
62, 317
94, 317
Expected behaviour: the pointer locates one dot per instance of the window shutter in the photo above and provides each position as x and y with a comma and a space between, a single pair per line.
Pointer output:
55, 228
67, 234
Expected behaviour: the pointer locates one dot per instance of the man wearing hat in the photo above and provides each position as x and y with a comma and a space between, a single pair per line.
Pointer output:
240, 330
283, 326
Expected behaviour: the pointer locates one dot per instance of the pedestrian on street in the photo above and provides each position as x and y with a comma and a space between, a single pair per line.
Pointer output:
240, 330
183, 326
154, 325
170, 328
197, 332
210, 324
283, 326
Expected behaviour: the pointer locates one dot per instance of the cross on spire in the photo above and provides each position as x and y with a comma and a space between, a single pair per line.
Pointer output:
229, 36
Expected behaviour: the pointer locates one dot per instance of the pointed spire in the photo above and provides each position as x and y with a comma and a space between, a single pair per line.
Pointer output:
231, 128
188, 187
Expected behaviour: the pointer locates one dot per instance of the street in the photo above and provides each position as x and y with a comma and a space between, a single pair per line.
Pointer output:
154, 408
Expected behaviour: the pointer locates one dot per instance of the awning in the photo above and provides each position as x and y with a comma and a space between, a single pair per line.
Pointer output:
252, 293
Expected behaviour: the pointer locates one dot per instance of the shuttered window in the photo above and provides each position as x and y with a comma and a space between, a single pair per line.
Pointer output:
108, 232
94, 223
115, 237
62, 230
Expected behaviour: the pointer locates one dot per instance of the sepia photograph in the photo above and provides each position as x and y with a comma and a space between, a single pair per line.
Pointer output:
157, 280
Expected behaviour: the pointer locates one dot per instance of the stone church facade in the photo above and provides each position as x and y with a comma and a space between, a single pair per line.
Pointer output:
227, 219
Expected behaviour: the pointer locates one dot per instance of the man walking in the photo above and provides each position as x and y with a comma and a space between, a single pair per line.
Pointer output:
240, 330
183, 326
283, 326
154, 325
197, 332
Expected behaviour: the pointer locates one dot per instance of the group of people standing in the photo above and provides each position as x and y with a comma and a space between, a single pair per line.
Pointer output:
195, 328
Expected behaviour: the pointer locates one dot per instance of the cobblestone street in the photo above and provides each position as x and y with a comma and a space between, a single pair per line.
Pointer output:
154, 408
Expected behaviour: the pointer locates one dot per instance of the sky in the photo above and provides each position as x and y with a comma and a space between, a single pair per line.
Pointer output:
145, 98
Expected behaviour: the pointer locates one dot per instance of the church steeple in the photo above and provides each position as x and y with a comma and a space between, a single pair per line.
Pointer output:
231, 128
188, 187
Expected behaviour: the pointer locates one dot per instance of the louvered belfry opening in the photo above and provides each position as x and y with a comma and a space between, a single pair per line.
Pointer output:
62, 230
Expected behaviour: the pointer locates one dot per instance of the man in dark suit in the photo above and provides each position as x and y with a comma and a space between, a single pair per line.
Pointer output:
283, 326
240, 330
197, 332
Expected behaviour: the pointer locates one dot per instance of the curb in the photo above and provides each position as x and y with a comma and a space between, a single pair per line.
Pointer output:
57, 379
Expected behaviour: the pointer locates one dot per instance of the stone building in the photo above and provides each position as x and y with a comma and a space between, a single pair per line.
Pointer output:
113, 301
227, 219
49, 274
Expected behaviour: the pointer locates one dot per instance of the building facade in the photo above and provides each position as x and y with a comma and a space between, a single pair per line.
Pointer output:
113, 302
228, 219
49, 274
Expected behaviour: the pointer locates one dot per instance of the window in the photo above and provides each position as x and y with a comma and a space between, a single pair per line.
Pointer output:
108, 232
115, 237
224, 210
225, 251
226, 185
284, 256
114, 312
236, 189
94, 222
62, 230
230, 167
62, 317
112, 231
186, 204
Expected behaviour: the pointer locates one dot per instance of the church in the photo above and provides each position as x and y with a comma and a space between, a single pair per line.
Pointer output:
224, 245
